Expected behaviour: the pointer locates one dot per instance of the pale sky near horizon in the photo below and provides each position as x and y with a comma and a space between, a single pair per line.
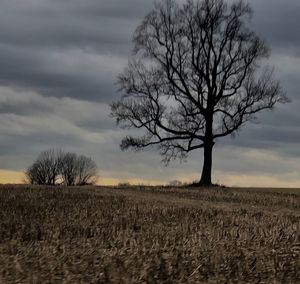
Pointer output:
59, 60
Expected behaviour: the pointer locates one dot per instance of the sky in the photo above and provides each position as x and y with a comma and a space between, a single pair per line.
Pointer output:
59, 60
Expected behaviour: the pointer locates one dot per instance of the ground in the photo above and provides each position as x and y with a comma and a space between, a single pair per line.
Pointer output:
149, 235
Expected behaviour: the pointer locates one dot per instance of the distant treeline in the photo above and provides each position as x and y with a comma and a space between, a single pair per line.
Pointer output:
56, 167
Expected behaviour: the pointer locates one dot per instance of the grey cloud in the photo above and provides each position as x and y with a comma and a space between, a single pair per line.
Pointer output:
59, 125
30, 104
38, 39
252, 161
58, 65
79, 23
75, 74
277, 21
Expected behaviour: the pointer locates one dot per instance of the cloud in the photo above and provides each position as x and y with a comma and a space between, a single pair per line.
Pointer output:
277, 22
31, 123
65, 24
75, 74
59, 60
66, 48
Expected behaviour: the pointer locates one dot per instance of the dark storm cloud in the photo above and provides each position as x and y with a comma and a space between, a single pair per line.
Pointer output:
278, 22
85, 24
66, 48
57, 73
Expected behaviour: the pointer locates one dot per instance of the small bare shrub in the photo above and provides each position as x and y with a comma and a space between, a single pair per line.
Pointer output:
54, 167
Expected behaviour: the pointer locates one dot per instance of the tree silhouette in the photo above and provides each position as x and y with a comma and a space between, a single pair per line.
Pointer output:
57, 167
46, 168
86, 171
194, 78
68, 168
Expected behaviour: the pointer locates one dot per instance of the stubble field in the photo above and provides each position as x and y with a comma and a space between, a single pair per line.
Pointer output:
148, 235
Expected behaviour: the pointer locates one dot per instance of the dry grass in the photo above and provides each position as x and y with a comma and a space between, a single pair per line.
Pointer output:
148, 235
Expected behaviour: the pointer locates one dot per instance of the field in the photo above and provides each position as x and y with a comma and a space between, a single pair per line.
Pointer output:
148, 235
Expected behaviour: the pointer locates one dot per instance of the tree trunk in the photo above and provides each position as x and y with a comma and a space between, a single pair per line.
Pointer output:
207, 165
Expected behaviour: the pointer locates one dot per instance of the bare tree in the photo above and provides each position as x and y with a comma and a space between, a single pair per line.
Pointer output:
46, 169
35, 175
86, 171
195, 77
68, 168
57, 167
